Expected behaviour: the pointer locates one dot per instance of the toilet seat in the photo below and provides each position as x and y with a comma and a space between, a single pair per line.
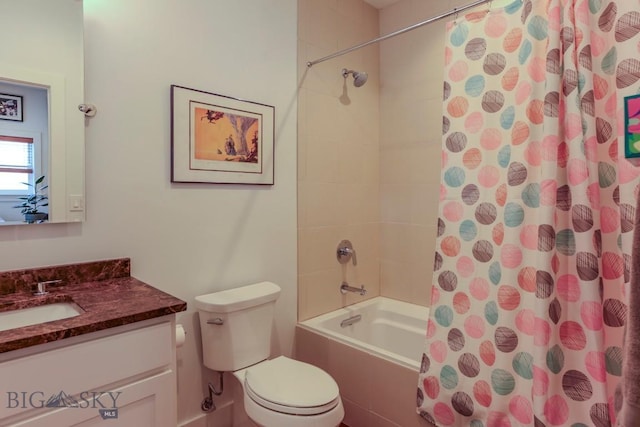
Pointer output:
291, 387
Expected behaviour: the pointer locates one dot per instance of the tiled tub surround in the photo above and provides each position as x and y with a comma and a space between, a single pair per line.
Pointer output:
105, 290
377, 383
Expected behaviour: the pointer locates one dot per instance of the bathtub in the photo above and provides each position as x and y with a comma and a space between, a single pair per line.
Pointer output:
391, 329
373, 350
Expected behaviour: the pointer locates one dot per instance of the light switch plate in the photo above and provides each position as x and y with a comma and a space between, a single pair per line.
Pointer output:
76, 203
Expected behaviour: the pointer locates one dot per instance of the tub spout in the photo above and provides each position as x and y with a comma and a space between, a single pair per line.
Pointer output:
344, 288
351, 320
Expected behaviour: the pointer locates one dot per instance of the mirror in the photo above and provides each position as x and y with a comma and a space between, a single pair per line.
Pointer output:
41, 86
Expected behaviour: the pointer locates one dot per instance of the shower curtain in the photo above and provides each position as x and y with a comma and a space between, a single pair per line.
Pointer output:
535, 217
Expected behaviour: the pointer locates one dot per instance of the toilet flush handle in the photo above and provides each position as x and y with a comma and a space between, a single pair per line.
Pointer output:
215, 321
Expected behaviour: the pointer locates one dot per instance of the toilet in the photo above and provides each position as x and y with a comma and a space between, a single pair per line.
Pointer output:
236, 337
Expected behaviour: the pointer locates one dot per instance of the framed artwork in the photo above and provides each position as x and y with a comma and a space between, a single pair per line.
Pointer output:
219, 139
632, 126
10, 107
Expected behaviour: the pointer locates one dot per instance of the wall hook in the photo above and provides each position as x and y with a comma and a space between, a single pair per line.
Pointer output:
89, 110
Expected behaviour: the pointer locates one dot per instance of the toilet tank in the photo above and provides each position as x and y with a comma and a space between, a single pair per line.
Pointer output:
236, 325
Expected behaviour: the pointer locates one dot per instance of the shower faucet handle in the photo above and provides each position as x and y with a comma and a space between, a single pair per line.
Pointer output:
345, 252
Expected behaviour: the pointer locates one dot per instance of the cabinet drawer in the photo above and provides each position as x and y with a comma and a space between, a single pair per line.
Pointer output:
29, 382
144, 403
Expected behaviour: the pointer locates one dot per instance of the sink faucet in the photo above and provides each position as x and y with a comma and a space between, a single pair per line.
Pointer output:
344, 288
42, 287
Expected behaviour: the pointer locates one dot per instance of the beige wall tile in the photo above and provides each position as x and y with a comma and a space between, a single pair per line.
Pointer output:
319, 25
376, 420
375, 392
355, 415
421, 280
350, 32
323, 157
319, 245
393, 164
395, 203
322, 292
321, 115
396, 281
352, 9
366, 204
410, 140
311, 348
351, 370
340, 135
371, 154
302, 135
398, 402
302, 300
349, 162
323, 204
394, 242
323, 77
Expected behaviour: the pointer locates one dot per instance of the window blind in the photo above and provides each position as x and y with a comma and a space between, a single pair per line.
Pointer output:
16, 154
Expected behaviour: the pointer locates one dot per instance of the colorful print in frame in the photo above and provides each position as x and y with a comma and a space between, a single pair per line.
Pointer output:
632, 126
219, 139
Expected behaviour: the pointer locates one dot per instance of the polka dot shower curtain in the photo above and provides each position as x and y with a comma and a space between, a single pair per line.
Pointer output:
536, 217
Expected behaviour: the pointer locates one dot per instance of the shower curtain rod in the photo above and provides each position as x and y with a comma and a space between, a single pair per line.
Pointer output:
453, 11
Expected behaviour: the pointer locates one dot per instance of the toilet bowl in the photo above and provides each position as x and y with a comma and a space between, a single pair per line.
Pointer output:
281, 392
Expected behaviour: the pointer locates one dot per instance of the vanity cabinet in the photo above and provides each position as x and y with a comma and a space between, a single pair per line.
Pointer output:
122, 376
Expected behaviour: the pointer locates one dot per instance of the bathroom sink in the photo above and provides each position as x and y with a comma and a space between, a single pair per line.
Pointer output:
40, 314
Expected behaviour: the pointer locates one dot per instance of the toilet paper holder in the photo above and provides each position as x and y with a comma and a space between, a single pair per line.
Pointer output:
181, 335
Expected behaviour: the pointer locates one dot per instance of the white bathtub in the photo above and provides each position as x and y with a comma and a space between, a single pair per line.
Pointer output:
390, 329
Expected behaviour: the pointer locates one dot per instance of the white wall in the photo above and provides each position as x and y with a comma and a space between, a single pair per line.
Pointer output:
185, 239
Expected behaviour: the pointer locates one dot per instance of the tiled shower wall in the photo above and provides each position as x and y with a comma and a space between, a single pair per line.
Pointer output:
410, 146
411, 79
338, 154
369, 157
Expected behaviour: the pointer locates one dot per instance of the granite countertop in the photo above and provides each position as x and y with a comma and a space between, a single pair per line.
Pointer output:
109, 298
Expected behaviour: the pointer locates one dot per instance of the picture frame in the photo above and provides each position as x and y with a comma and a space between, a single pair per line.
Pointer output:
218, 139
632, 126
11, 107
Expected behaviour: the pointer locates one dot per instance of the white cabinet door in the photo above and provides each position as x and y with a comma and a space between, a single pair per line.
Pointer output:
149, 402
89, 365
126, 378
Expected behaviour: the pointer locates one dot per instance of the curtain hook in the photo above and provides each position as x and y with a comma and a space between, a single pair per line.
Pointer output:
455, 16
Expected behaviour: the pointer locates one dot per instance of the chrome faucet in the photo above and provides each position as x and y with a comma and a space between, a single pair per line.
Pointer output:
345, 252
344, 288
41, 287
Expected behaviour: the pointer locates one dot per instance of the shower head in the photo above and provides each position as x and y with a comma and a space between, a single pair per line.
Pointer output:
359, 77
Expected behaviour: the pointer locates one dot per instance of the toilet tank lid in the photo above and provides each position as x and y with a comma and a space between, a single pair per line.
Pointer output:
238, 298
